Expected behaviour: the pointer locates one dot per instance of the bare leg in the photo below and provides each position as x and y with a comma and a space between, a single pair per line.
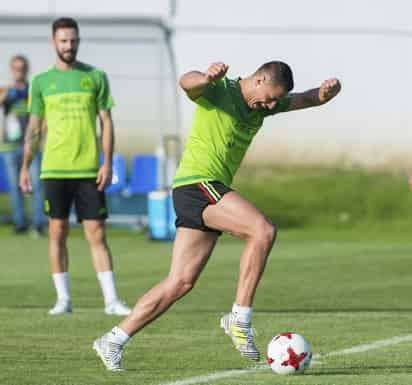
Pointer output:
59, 263
238, 216
58, 230
191, 251
94, 231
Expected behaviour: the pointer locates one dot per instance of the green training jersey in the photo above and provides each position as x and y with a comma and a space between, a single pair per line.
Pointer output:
69, 101
222, 130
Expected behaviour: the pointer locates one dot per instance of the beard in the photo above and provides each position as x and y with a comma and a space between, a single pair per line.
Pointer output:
67, 57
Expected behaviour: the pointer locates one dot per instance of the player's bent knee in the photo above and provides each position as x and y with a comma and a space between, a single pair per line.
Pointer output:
185, 288
266, 232
180, 287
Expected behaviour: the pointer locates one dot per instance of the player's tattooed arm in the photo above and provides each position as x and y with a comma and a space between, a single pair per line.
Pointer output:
195, 82
31, 146
315, 97
33, 136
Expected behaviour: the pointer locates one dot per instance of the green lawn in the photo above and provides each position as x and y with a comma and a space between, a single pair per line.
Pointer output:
338, 287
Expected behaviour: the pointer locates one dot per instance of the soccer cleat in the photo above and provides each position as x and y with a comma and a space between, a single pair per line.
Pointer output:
242, 336
110, 353
61, 307
117, 308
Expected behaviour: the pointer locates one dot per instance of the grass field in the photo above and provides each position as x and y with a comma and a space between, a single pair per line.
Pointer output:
339, 288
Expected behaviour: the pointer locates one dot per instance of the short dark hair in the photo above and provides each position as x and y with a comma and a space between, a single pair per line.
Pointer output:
20, 58
278, 72
64, 22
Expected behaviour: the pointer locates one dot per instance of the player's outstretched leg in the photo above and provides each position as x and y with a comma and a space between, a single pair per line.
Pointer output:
191, 251
238, 216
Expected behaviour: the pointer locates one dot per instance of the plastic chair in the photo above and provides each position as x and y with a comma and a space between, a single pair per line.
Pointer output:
119, 180
143, 174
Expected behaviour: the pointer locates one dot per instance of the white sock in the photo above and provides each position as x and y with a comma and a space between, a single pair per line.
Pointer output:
118, 336
243, 313
108, 285
61, 283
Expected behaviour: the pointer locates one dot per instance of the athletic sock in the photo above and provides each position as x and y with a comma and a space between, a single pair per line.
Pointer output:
61, 283
242, 313
108, 285
118, 336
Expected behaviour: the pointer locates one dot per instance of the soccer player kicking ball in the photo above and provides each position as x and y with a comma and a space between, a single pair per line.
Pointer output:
68, 97
228, 115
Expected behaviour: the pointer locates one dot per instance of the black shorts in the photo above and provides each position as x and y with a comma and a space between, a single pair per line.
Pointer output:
190, 201
60, 194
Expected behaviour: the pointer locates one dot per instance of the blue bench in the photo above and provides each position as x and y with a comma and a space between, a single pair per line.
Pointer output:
143, 174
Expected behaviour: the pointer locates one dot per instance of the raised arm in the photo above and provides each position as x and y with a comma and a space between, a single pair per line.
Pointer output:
315, 97
195, 82
104, 176
31, 146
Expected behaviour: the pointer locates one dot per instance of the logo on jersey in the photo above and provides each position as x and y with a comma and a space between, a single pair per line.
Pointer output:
86, 83
52, 87
102, 211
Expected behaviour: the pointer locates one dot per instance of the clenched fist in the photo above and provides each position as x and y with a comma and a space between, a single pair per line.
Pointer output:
329, 89
216, 71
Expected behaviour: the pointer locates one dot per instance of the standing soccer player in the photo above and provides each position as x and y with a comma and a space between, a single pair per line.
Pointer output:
68, 97
229, 113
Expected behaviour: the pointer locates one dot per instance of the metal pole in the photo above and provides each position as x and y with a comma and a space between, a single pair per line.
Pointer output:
177, 107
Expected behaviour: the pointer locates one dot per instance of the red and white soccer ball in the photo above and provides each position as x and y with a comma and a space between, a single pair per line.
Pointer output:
289, 353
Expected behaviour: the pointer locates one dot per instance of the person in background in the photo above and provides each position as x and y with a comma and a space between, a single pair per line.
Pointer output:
13, 98
69, 97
